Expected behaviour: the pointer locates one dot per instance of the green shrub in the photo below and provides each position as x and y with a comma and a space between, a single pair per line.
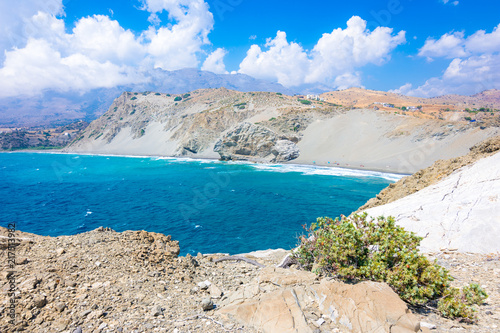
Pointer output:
304, 101
458, 303
157, 94
178, 98
358, 248
186, 95
133, 98
279, 94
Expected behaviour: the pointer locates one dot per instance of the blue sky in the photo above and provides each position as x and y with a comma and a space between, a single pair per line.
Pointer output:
422, 48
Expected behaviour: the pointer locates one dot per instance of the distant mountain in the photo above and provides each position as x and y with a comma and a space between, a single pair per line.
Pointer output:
56, 108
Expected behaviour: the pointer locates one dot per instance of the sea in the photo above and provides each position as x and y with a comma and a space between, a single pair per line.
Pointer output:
209, 206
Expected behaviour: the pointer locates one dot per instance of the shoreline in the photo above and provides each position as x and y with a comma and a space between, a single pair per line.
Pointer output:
313, 164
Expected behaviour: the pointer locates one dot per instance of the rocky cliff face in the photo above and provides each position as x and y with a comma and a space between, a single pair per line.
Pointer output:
254, 141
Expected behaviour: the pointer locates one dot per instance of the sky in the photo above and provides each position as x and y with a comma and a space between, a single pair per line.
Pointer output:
415, 47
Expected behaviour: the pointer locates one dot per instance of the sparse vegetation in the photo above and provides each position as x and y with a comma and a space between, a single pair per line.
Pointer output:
157, 94
278, 93
186, 95
178, 98
359, 248
133, 98
240, 106
304, 101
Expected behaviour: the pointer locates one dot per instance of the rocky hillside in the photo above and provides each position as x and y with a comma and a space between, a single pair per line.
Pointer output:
433, 174
272, 127
105, 281
457, 208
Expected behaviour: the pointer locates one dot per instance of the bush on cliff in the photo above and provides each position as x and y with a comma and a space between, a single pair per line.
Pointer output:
358, 248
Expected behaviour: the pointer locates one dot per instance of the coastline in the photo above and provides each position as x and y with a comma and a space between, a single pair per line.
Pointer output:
394, 174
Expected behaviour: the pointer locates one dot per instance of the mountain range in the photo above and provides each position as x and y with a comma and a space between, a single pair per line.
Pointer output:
58, 108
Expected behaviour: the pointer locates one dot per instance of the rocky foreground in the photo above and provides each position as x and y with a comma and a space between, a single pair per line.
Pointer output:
105, 281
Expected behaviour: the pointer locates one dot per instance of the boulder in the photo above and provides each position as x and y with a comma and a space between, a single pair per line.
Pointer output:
282, 301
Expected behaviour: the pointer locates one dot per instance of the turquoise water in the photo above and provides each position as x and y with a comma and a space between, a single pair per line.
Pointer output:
208, 206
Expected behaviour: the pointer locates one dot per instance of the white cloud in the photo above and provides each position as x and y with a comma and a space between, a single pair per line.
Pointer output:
332, 61
38, 66
449, 45
14, 26
455, 45
475, 65
215, 62
103, 39
176, 46
455, 3
284, 62
98, 52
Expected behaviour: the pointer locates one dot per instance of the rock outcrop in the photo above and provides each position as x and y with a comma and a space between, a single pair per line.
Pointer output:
254, 142
295, 301
433, 174
285, 150
460, 212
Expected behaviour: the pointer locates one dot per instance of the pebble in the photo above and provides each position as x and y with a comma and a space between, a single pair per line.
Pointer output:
427, 325
39, 301
156, 311
207, 304
60, 306
319, 322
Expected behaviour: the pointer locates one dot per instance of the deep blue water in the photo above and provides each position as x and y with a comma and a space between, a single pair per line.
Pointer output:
208, 206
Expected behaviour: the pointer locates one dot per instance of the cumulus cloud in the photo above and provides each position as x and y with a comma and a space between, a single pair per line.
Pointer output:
455, 45
333, 60
14, 26
37, 66
215, 62
449, 45
284, 62
475, 64
176, 46
97, 52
